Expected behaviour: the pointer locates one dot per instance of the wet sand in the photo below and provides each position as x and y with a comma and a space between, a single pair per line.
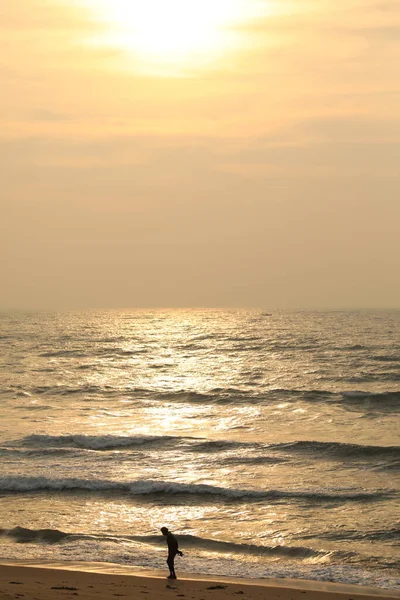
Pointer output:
97, 581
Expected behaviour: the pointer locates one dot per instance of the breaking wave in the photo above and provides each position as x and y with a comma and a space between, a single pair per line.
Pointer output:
314, 450
24, 535
390, 535
338, 449
356, 399
20, 484
95, 442
51, 536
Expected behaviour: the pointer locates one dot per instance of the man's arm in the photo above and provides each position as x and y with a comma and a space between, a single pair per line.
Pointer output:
177, 548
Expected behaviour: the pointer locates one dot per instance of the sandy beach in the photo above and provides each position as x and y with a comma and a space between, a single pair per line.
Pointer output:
93, 582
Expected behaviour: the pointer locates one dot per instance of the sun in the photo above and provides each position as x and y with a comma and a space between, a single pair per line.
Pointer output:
173, 35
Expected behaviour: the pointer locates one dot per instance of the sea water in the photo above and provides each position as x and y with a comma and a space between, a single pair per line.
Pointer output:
268, 443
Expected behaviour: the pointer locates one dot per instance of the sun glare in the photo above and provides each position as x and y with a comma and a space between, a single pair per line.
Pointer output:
168, 36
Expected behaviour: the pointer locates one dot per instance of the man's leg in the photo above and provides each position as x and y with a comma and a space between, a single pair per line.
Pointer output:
171, 566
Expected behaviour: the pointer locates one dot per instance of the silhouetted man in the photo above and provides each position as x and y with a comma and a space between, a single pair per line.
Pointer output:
172, 551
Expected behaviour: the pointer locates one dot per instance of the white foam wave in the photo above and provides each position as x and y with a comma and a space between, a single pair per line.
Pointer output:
146, 487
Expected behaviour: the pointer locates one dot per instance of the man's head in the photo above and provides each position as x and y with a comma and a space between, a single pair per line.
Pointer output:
164, 530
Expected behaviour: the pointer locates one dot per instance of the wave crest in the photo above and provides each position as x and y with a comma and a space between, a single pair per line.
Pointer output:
94, 442
21, 484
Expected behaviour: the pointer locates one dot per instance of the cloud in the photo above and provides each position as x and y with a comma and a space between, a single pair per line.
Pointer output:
46, 115
387, 33
307, 150
387, 6
53, 17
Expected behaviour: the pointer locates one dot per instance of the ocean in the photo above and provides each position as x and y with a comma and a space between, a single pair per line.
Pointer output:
267, 442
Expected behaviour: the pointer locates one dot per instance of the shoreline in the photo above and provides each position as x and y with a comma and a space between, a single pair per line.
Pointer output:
154, 583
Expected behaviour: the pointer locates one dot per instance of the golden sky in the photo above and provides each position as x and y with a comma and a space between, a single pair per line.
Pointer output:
214, 153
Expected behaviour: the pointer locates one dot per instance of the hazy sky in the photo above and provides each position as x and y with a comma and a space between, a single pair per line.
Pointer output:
240, 153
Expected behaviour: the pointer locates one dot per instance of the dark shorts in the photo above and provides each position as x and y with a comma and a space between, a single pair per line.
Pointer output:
171, 558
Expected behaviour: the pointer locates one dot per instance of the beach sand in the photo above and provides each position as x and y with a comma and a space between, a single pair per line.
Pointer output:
97, 581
